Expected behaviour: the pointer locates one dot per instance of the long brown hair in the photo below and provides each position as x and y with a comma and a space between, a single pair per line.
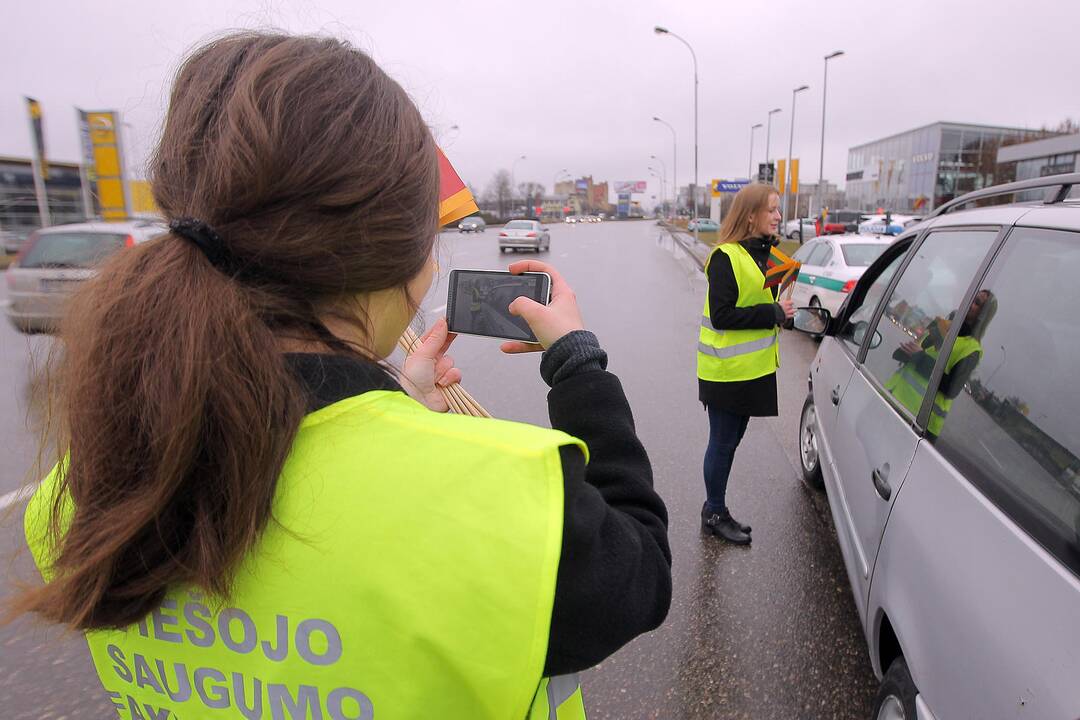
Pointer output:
175, 402
752, 199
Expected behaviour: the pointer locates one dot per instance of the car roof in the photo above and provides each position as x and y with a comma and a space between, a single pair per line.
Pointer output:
126, 226
858, 238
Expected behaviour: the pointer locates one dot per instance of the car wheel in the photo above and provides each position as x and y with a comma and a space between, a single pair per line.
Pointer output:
809, 457
896, 694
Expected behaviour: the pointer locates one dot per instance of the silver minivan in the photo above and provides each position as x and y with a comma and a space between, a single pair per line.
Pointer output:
943, 421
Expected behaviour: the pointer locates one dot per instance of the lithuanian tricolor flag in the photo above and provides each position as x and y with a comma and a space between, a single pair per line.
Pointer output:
455, 200
780, 268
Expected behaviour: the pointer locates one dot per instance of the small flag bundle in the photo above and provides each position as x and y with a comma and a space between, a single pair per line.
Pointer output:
455, 200
781, 271
457, 397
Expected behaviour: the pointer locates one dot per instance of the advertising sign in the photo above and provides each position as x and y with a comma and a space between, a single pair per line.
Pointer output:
720, 187
630, 186
106, 168
581, 186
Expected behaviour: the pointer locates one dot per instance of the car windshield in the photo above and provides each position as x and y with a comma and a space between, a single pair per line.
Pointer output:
862, 254
519, 225
71, 249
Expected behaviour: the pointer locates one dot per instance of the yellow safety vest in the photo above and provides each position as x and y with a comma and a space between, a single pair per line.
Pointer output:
733, 355
408, 572
909, 386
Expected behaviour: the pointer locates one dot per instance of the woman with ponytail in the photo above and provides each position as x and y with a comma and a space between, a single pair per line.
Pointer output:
250, 517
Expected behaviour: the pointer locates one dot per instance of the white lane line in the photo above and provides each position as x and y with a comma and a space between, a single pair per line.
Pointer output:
15, 496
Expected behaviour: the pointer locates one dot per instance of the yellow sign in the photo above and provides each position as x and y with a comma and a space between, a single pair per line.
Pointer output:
715, 185
794, 176
142, 198
781, 172
108, 167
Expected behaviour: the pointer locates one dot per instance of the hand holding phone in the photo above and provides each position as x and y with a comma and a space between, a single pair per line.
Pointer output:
479, 301
548, 322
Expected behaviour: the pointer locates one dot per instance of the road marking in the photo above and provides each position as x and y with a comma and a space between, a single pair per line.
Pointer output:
16, 496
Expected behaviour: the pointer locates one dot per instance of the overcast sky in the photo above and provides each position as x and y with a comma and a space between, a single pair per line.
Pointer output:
575, 84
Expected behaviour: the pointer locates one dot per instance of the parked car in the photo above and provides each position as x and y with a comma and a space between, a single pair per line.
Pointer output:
473, 223
840, 222
831, 266
10, 241
524, 235
878, 224
703, 225
56, 259
571, 219
801, 229
941, 421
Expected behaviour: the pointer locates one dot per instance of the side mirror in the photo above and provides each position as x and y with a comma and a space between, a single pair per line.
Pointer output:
812, 320
858, 334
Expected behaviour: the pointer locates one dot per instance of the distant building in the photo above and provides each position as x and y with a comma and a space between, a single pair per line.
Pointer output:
18, 202
835, 198
585, 196
918, 170
685, 201
1041, 158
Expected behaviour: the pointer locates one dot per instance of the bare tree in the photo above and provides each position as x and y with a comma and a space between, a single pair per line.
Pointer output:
499, 190
532, 192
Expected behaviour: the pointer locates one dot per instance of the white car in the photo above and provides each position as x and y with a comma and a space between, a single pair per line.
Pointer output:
524, 235
801, 229
831, 265
885, 225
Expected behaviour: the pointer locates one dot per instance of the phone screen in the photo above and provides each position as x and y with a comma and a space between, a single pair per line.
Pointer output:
479, 302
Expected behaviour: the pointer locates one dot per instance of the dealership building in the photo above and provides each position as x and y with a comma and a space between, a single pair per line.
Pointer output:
918, 170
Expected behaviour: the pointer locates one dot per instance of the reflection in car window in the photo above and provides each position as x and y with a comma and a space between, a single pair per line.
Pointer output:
920, 311
1013, 431
861, 254
862, 314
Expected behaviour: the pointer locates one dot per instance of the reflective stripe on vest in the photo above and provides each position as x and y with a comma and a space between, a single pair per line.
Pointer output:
909, 387
363, 597
734, 355
558, 698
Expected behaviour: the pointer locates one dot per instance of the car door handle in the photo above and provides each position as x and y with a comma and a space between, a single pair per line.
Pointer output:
835, 395
880, 477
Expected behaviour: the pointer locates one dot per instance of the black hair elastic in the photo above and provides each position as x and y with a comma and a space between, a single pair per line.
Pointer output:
207, 240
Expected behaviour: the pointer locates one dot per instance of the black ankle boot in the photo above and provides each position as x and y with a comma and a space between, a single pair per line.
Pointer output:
745, 528
723, 526
727, 513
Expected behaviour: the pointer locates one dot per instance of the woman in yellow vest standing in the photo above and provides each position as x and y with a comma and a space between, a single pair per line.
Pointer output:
253, 518
738, 351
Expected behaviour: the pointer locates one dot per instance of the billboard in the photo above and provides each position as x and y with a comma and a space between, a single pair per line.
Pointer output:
624, 204
626, 187
720, 187
105, 169
581, 185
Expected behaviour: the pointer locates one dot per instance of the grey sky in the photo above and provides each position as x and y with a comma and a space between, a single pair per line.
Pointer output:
575, 84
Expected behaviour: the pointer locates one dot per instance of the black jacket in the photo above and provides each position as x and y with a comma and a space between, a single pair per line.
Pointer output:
745, 397
614, 577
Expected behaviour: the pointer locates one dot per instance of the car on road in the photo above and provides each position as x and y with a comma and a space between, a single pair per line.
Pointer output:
941, 421
524, 235
10, 241
571, 219
831, 265
840, 222
703, 225
55, 260
801, 229
473, 223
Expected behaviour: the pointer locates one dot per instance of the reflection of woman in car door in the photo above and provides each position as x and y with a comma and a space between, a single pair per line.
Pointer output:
909, 383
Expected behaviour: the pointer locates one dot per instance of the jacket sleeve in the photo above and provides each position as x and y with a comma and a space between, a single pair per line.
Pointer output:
614, 577
724, 293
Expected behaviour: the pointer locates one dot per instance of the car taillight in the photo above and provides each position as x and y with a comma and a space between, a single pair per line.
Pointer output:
502, 234
129, 241
530, 234
848, 286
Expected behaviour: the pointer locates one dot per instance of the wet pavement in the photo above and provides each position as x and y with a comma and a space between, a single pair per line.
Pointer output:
768, 631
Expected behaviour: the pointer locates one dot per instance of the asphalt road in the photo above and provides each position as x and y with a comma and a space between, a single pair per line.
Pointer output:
768, 631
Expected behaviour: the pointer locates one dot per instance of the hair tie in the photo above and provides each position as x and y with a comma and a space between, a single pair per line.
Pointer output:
206, 239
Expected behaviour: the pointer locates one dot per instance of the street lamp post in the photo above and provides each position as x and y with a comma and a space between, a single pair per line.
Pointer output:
821, 165
768, 135
750, 167
675, 164
663, 169
791, 146
664, 31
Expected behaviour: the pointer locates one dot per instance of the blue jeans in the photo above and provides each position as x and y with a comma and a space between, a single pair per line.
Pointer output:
726, 431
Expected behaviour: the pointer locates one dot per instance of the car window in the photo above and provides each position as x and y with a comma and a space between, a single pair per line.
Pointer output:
804, 252
854, 329
71, 249
1012, 429
820, 253
519, 225
861, 254
919, 311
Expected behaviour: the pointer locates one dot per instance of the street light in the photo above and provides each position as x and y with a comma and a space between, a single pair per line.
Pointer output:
790, 147
555, 179
663, 168
658, 176
750, 167
664, 31
675, 163
821, 166
768, 134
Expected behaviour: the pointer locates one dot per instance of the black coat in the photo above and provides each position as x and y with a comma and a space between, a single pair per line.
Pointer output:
745, 397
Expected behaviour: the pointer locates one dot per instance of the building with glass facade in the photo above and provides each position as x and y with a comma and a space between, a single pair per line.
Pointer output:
18, 201
918, 170
1041, 158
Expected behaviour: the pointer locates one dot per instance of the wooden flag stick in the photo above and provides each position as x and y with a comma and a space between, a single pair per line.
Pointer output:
457, 398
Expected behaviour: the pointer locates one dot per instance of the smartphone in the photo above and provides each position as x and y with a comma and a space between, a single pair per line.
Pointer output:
478, 302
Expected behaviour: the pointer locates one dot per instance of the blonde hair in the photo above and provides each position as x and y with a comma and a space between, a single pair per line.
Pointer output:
752, 199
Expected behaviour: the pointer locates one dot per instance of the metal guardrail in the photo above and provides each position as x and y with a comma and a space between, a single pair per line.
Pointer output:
1058, 187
